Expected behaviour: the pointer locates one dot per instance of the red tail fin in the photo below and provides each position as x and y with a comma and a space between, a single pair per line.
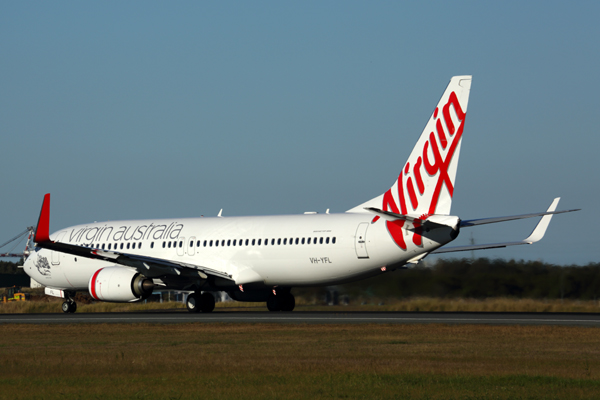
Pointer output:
42, 231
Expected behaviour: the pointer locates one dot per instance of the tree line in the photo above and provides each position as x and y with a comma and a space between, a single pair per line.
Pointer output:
8, 267
482, 277
468, 278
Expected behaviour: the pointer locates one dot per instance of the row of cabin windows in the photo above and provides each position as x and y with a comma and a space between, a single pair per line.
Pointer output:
222, 243
109, 246
259, 242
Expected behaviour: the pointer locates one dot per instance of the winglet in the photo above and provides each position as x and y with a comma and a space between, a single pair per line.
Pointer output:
540, 230
42, 231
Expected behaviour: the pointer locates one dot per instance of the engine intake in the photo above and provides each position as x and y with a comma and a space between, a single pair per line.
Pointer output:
119, 284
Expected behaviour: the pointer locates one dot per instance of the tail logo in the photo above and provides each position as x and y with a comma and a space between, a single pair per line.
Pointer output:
432, 163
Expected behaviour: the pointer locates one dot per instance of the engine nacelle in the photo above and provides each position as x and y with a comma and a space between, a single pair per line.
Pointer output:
119, 284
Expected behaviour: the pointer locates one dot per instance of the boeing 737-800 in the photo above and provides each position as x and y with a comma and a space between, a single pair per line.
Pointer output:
260, 258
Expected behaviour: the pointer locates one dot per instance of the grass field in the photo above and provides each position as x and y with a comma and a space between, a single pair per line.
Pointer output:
46, 304
273, 361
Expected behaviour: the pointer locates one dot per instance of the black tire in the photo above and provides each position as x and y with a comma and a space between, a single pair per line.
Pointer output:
273, 303
69, 307
193, 303
207, 302
287, 302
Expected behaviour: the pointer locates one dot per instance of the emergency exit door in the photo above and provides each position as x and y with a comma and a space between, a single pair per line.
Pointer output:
360, 240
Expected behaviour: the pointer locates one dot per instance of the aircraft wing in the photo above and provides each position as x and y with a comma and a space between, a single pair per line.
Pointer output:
538, 232
150, 267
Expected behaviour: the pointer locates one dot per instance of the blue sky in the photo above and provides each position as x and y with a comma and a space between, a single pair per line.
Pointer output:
147, 109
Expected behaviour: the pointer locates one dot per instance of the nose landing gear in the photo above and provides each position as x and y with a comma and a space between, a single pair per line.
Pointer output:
69, 306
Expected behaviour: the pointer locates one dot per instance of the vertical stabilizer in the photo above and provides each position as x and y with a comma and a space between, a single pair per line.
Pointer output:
426, 182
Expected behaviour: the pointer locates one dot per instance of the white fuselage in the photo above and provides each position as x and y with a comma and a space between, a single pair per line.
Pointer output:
287, 250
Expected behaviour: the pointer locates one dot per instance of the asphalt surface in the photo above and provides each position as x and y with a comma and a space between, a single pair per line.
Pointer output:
309, 317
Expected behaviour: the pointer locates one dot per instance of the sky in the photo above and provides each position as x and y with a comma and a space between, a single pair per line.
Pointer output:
144, 109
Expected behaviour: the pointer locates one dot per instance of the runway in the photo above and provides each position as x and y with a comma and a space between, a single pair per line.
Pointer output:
309, 317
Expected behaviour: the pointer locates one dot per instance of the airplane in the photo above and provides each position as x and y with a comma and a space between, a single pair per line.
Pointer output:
261, 258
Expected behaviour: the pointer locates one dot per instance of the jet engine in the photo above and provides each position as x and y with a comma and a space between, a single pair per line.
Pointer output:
119, 284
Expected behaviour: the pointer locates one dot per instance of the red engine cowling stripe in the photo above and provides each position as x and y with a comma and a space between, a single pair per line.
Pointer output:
93, 284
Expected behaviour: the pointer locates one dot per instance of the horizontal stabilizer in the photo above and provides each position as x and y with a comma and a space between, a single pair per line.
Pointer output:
482, 221
391, 216
537, 234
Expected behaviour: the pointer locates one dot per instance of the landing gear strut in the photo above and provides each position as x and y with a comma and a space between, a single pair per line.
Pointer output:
282, 301
197, 302
69, 306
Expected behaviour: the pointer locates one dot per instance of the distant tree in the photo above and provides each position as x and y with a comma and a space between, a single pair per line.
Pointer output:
7, 267
482, 278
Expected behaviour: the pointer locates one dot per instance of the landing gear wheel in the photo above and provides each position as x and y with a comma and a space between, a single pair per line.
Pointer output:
287, 302
197, 302
273, 303
283, 301
207, 302
193, 303
69, 307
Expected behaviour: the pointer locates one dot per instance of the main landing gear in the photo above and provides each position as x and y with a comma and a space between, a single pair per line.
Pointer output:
197, 302
282, 301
